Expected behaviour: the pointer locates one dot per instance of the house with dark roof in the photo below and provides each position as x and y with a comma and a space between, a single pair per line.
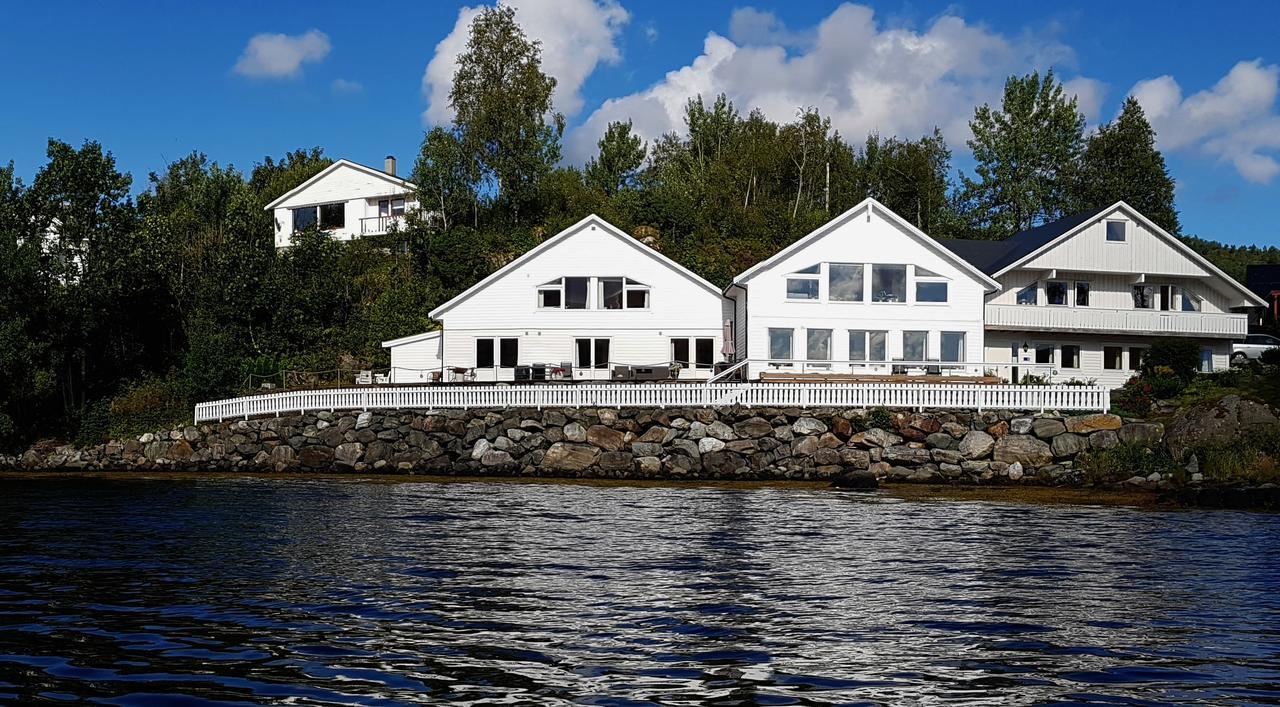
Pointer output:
1084, 297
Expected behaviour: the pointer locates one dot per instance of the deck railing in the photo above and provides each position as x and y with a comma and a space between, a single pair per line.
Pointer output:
851, 395
1097, 319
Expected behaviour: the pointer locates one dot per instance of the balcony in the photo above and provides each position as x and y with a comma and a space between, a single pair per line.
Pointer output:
378, 225
1115, 321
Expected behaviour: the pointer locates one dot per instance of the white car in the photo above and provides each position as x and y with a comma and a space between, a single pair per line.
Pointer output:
1252, 347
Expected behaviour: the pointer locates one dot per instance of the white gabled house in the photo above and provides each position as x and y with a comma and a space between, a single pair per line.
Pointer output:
580, 303
866, 293
1083, 298
345, 199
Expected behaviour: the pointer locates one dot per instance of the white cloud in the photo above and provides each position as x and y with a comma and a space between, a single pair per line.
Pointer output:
1235, 121
281, 55
1089, 94
576, 36
862, 74
343, 86
650, 32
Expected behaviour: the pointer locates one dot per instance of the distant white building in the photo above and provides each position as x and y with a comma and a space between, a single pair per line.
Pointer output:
584, 301
345, 199
417, 358
866, 293
1083, 298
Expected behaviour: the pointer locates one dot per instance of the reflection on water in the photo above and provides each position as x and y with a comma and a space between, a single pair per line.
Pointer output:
322, 592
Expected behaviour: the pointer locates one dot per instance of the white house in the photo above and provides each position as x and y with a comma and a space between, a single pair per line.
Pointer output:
1083, 298
347, 200
580, 303
415, 359
866, 293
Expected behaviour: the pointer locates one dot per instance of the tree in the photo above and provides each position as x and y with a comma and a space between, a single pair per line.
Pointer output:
910, 177
1026, 154
441, 175
502, 104
621, 154
1121, 162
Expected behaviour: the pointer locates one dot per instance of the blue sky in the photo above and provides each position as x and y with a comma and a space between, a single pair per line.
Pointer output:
238, 81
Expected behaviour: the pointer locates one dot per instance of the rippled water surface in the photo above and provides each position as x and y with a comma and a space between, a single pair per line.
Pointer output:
325, 592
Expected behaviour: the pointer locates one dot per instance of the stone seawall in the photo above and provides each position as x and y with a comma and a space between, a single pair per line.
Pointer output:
702, 443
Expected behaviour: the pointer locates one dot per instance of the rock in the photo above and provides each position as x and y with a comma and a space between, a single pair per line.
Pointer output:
828, 440
939, 440
1153, 477
697, 430
841, 428
1020, 425
615, 461
1136, 480
147, 438
722, 463
605, 438
377, 451
804, 447
927, 424
825, 456
1197, 478
753, 428
955, 429
191, 434
648, 465
856, 458
907, 455
608, 416
1104, 439
658, 435
1014, 471
347, 453
706, 445
856, 480
876, 437
686, 447
316, 457
808, 426
1024, 449
948, 456
575, 432
496, 458
976, 445
999, 429
363, 420
1069, 444
481, 448
1047, 427
721, 431
563, 456
1088, 424
648, 449
180, 450
283, 457
1147, 434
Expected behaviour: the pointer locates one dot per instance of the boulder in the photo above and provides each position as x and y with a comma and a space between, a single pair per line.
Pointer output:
658, 435
605, 438
316, 456
876, 437
998, 429
1088, 424
648, 466
907, 455
1047, 427
1020, 425
721, 431
180, 450
1024, 449
364, 420
575, 432
856, 458
497, 458
808, 426
841, 427
856, 480
616, 461
481, 448
647, 449
722, 463
563, 456
948, 456
1069, 444
805, 446
955, 429
347, 453
706, 445
1104, 439
1147, 434
939, 440
283, 457
377, 451
753, 428
928, 424
976, 444
1014, 471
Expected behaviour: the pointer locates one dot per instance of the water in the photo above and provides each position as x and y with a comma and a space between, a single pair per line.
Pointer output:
324, 592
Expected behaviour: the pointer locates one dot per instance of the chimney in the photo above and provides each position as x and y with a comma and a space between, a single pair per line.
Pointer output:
389, 165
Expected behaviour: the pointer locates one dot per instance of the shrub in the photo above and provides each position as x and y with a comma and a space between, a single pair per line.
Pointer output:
1033, 379
1134, 399
1180, 356
1271, 356
1164, 382
1123, 461
881, 418
149, 404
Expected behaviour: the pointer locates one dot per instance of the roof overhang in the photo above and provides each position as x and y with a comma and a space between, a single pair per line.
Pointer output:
426, 336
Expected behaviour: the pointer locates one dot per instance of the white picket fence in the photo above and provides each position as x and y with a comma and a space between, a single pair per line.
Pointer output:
920, 396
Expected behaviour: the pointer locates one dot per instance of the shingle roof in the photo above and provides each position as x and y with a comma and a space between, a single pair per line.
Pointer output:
993, 256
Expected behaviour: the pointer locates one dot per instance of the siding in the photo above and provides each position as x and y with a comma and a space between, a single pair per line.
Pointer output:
414, 362
1000, 355
360, 191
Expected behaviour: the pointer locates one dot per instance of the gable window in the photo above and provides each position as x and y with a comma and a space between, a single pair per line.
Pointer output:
1082, 293
818, 345
1116, 231
484, 353
551, 294
780, 344
1190, 302
1027, 295
1144, 296
888, 283
575, 292
637, 294
1112, 357
931, 292
1070, 356
915, 345
1055, 292
803, 284
844, 282
953, 346
592, 353
611, 293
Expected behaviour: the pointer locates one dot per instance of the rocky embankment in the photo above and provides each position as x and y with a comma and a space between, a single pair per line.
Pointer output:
734, 443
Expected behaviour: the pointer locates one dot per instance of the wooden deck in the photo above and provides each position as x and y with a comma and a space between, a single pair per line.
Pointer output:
775, 377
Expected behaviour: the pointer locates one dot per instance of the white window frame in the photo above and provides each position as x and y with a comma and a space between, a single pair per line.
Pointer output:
556, 285
594, 365
1124, 235
929, 277
1122, 360
1035, 295
802, 276
1066, 293
812, 362
1075, 293
791, 346
1062, 356
924, 348
906, 283
862, 283
942, 346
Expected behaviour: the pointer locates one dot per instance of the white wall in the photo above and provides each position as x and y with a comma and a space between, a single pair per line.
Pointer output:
858, 239
1000, 351
413, 362
358, 189
679, 306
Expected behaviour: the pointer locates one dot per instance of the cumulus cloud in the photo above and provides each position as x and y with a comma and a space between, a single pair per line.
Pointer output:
345, 87
1235, 121
576, 36
1089, 94
864, 75
281, 55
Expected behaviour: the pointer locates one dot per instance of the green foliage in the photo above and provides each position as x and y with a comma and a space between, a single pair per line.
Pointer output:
1270, 357
1124, 461
1164, 384
1254, 460
1121, 162
150, 404
1180, 356
880, 417
621, 155
1134, 399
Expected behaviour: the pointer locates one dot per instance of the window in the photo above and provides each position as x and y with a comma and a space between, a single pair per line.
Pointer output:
1136, 354
508, 352
680, 351
931, 292
484, 353
876, 348
818, 345
888, 283
1082, 293
1190, 302
332, 216
1044, 353
704, 351
1070, 356
1027, 295
915, 346
923, 272
551, 294
857, 345
390, 207
844, 282
1115, 231
1143, 296
575, 292
780, 344
592, 353
611, 293
802, 288
397, 207
637, 294
304, 218
1206, 360
1055, 292
953, 346
1111, 358
811, 270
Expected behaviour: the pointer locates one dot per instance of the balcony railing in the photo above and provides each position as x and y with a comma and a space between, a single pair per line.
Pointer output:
1115, 321
378, 225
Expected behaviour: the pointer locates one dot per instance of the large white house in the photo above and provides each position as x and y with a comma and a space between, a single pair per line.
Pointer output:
345, 199
1083, 298
865, 293
584, 301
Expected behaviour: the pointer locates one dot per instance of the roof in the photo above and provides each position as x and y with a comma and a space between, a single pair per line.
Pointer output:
877, 207
425, 336
333, 168
532, 253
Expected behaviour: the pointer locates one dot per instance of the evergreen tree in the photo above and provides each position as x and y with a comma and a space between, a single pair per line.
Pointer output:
1121, 162
621, 154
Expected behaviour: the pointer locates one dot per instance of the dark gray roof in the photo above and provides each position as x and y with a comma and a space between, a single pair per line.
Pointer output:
993, 256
